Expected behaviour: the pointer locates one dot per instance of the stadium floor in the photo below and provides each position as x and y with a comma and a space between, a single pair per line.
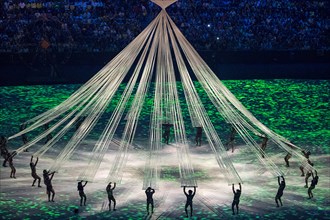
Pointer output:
296, 109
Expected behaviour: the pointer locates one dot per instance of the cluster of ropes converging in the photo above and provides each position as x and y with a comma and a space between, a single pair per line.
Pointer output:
160, 55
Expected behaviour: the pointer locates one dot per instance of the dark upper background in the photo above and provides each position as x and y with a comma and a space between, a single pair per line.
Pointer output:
68, 41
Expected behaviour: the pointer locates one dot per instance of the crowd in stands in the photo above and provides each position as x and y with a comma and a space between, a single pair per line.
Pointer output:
109, 25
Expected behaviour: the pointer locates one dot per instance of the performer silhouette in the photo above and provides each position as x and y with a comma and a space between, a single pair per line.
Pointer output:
24, 136
48, 182
237, 195
150, 201
10, 157
313, 184
110, 195
288, 155
306, 155
287, 158
82, 194
230, 143
198, 137
4, 150
280, 190
190, 195
308, 174
263, 144
167, 132
34, 171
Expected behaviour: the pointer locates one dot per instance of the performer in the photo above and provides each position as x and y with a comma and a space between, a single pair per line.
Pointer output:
263, 144
24, 136
82, 194
49, 136
306, 155
190, 195
198, 137
308, 173
280, 190
289, 155
110, 196
48, 183
313, 184
150, 201
34, 172
237, 195
167, 131
10, 157
4, 150
287, 158
230, 143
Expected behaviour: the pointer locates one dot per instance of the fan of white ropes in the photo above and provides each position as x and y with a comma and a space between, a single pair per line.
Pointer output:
160, 55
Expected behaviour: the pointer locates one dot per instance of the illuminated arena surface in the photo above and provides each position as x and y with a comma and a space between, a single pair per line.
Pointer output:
296, 109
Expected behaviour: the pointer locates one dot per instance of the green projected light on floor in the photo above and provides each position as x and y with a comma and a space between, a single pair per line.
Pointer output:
296, 109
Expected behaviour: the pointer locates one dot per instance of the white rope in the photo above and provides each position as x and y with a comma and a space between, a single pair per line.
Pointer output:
194, 101
153, 50
105, 139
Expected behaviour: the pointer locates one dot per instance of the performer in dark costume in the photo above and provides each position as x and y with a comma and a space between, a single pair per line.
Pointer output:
288, 155
48, 183
198, 137
287, 158
308, 173
263, 144
237, 195
280, 190
49, 136
167, 132
82, 194
10, 157
313, 184
230, 143
190, 195
4, 150
34, 171
306, 154
24, 136
150, 201
110, 196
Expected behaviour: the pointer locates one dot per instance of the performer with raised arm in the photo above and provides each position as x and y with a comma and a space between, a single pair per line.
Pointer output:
150, 201
314, 182
110, 196
190, 195
237, 195
48, 183
82, 194
280, 190
34, 171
